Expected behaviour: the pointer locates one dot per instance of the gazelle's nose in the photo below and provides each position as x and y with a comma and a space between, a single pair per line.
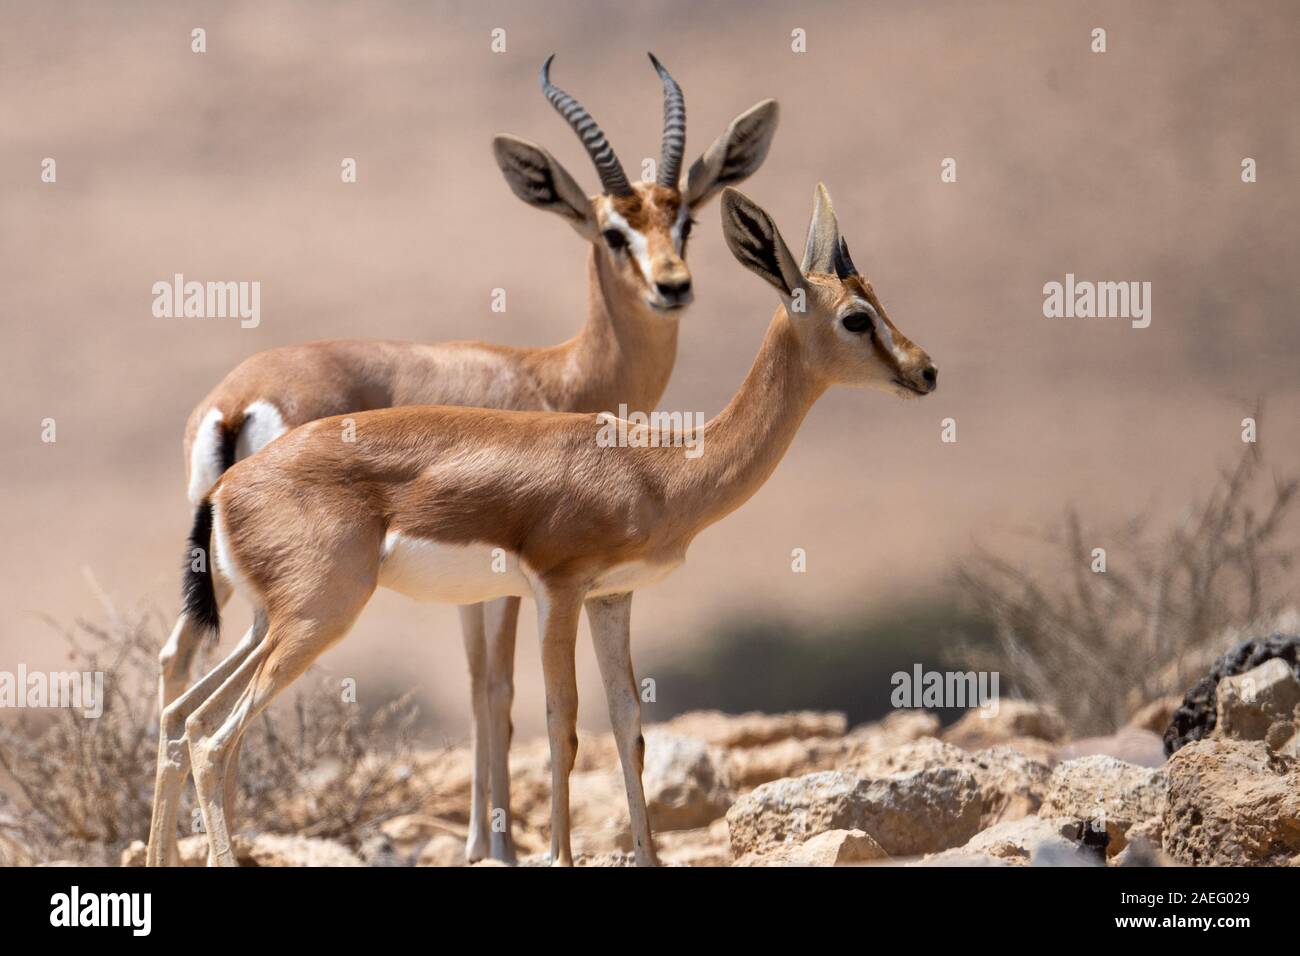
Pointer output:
674, 290
931, 377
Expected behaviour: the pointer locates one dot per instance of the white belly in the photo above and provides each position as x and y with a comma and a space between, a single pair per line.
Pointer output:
631, 576
450, 573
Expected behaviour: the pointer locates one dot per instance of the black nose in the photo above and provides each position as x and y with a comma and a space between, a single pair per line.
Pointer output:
674, 290
931, 376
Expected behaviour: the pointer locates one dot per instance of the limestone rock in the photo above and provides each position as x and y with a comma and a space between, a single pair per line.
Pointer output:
1015, 842
1013, 719
747, 767
1232, 803
907, 814
1011, 784
832, 848
1105, 791
755, 729
1251, 702
685, 785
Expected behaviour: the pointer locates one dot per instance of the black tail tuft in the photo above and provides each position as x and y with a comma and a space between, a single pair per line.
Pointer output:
229, 438
199, 593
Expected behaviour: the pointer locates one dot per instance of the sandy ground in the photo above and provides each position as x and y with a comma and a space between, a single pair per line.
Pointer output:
1120, 166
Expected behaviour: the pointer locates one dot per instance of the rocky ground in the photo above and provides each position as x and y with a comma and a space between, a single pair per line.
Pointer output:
804, 789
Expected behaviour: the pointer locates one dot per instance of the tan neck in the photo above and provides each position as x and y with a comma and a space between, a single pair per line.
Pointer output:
747, 440
623, 355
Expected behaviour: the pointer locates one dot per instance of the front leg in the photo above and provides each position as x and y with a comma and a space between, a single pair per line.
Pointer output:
471, 626
610, 618
501, 619
557, 612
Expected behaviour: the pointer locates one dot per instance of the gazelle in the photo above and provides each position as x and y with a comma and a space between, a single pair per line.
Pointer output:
638, 283
308, 528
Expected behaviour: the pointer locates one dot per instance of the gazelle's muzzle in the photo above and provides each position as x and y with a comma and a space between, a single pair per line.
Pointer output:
920, 377
670, 287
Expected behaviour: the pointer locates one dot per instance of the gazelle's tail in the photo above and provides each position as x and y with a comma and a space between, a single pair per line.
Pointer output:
200, 595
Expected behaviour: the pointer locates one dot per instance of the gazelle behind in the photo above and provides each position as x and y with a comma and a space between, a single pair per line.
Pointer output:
311, 526
638, 282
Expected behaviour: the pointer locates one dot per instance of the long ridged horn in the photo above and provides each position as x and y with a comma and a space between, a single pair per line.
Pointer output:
674, 142
612, 177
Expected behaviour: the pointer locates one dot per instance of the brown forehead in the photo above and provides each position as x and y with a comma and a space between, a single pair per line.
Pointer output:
650, 208
856, 285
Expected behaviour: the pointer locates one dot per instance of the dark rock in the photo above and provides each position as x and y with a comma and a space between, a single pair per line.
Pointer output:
1196, 716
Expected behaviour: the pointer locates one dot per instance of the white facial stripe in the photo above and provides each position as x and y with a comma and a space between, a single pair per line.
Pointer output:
883, 332
636, 243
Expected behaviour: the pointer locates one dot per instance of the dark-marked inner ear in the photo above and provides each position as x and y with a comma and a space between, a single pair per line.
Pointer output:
734, 156
537, 178
755, 241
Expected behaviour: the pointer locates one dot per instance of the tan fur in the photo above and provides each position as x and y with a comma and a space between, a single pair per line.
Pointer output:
622, 356
302, 525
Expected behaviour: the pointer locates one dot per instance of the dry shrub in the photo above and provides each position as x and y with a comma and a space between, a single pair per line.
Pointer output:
1097, 645
82, 789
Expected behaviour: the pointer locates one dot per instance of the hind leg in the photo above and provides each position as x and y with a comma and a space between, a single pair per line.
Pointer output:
173, 752
176, 659
214, 730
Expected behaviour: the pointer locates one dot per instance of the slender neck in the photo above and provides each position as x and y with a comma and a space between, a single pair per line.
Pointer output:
747, 440
623, 355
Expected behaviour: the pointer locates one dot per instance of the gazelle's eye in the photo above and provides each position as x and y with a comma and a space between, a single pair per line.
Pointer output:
858, 322
615, 239
686, 229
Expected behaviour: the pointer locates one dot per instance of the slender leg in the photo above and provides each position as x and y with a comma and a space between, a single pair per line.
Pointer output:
211, 733
557, 611
501, 620
214, 730
610, 619
173, 752
471, 625
176, 659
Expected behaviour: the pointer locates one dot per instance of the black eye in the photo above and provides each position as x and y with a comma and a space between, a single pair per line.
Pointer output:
615, 239
858, 322
686, 229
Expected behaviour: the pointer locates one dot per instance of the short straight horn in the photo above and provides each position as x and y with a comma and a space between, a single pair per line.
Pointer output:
674, 142
612, 178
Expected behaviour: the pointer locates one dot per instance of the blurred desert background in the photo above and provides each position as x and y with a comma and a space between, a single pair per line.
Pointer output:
225, 166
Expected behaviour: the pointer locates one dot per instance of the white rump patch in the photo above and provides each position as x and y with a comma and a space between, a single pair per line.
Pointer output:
205, 456
263, 424
428, 570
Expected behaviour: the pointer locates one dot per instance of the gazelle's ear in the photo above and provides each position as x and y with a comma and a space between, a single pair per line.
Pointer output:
536, 177
734, 156
823, 235
826, 251
755, 241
